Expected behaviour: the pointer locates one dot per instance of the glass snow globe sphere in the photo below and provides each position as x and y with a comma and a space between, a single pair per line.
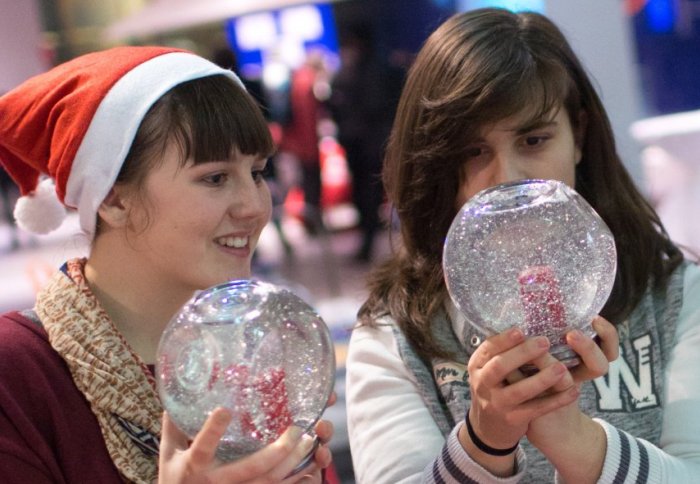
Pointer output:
531, 254
254, 348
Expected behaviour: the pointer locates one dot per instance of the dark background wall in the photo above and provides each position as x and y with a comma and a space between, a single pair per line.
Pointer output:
399, 25
668, 50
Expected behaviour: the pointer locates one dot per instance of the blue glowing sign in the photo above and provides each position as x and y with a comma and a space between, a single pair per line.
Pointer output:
513, 5
285, 33
661, 15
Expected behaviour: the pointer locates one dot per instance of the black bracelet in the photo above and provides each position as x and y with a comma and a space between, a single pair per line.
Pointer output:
482, 446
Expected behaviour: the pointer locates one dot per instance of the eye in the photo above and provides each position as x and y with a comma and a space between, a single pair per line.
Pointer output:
535, 140
215, 179
474, 152
260, 175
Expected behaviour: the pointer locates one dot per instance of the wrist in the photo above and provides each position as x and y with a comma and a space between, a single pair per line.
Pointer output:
483, 446
505, 466
576, 447
560, 429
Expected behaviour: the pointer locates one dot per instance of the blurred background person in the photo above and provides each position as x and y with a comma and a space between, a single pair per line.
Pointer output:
226, 58
300, 136
364, 94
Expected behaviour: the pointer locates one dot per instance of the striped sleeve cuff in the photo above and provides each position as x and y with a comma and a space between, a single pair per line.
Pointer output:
627, 459
454, 465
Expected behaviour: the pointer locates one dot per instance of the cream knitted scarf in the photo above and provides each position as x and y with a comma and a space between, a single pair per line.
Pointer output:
115, 381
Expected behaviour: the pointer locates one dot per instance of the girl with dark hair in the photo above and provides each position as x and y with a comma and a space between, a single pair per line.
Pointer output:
162, 154
493, 97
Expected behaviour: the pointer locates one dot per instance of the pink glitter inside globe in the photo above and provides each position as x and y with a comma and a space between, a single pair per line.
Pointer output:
531, 254
254, 348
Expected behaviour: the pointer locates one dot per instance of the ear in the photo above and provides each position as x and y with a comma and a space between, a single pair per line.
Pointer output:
114, 210
580, 134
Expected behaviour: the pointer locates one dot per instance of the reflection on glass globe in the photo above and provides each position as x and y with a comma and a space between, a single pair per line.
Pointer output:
531, 254
254, 348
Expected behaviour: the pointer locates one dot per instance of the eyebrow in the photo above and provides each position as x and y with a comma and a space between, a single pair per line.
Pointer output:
526, 128
537, 124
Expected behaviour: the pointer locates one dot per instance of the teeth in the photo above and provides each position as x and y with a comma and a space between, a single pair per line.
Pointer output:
237, 242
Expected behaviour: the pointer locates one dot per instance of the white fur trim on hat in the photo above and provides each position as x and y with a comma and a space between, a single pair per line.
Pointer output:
41, 211
116, 121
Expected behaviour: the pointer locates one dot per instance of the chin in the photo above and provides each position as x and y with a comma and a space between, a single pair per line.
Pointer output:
213, 282
235, 275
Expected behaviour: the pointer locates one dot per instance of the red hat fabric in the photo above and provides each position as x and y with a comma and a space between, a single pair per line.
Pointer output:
75, 124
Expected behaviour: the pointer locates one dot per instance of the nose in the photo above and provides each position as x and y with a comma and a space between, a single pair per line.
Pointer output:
250, 201
506, 167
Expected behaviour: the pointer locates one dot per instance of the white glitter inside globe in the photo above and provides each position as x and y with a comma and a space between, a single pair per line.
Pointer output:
254, 348
531, 254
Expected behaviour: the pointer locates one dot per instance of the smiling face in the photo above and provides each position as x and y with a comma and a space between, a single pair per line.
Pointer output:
196, 225
516, 149
190, 200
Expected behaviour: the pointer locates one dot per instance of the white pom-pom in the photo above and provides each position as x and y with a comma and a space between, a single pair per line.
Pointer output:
40, 212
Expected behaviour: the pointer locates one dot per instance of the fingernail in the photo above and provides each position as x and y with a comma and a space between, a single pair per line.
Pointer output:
516, 335
222, 416
542, 342
559, 369
576, 335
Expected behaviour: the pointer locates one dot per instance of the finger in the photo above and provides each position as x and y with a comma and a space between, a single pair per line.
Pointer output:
206, 441
495, 345
594, 363
293, 461
515, 376
608, 345
540, 406
535, 385
566, 381
323, 457
310, 475
609, 339
172, 439
324, 430
332, 399
262, 461
497, 369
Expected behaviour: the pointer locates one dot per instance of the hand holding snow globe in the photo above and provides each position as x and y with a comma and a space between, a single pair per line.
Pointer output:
532, 254
254, 348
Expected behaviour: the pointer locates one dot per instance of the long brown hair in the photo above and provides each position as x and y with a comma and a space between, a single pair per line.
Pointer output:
479, 67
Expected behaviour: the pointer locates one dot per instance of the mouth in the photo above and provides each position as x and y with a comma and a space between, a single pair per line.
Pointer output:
231, 241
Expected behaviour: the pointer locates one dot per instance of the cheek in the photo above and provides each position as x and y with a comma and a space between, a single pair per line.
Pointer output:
266, 203
462, 197
569, 171
578, 154
174, 219
570, 177
472, 179
463, 188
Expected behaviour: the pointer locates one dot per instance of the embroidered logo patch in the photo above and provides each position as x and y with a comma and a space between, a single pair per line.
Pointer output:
629, 384
453, 381
450, 372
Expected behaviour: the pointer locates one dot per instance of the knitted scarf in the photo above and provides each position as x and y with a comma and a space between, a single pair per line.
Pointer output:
115, 381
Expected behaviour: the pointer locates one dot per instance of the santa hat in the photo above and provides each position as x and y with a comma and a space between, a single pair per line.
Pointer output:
74, 126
